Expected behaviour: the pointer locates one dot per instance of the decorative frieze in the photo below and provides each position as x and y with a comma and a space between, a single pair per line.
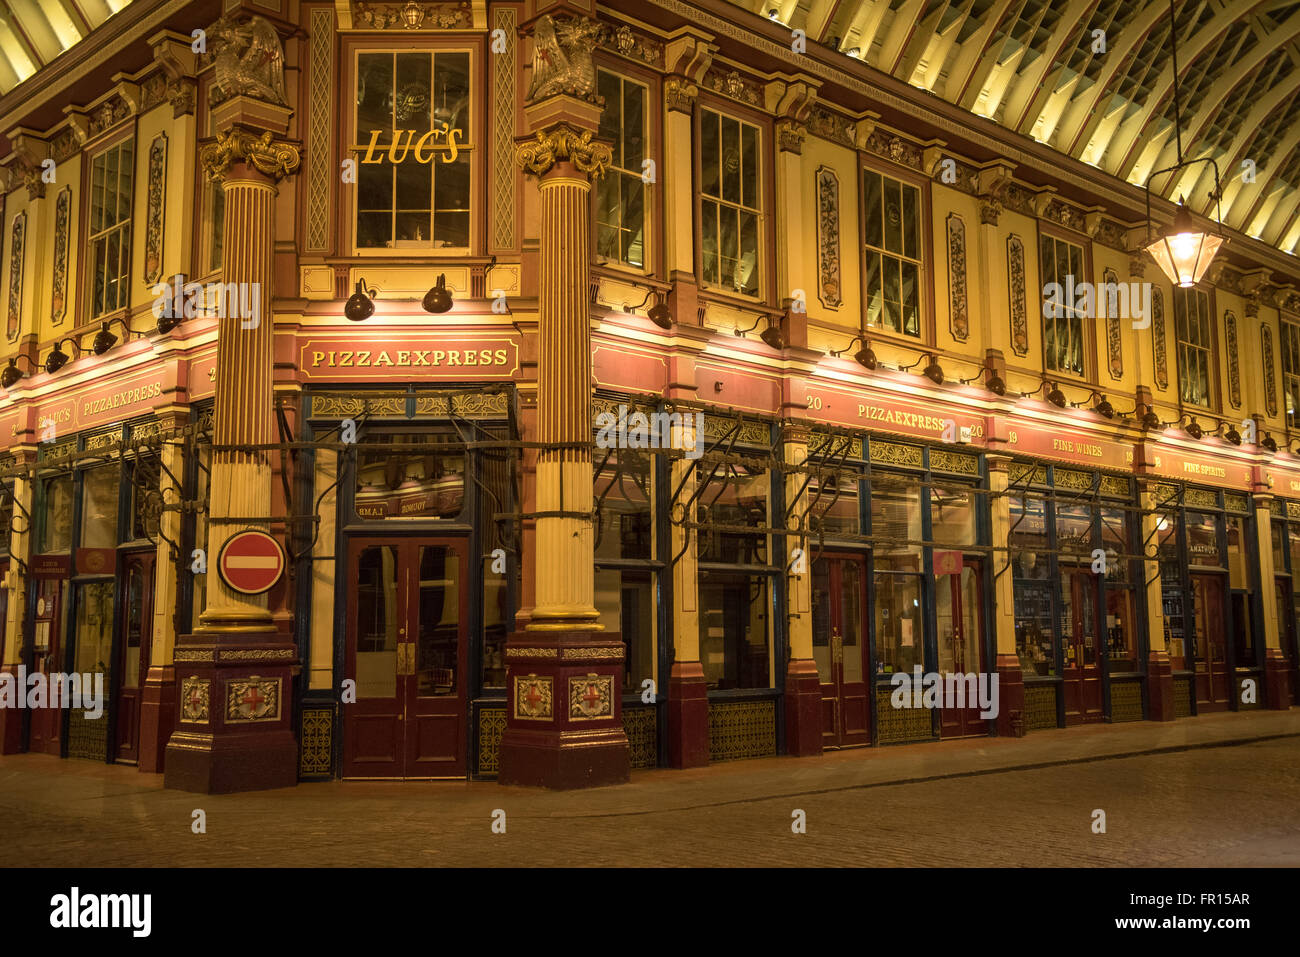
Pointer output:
157, 187
1158, 339
1065, 215
1270, 384
959, 320
832, 126
789, 136
1234, 365
829, 290
734, 86
1114, 338
626, 42
108, 114
59, 274
504, 93
901, 151
17, 247
413, 16
1019, 308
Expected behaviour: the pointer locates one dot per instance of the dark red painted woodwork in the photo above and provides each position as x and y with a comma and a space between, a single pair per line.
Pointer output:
1277, 680
219, 756
688, 716
966, 721
157, 717
560, 751
135, 611
1081, 675
1011, 697
1160, 687
803, 708
1213, 685
840, 623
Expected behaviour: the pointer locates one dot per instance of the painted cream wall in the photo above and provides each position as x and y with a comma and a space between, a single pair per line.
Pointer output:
831, 327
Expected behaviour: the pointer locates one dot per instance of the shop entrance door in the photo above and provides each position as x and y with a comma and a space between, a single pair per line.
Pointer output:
1210, 644
136, 606
406, 651
47, 659
839, 648
961, 647
1082, 637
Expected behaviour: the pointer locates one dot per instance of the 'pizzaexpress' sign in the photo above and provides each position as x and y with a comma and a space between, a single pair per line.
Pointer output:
401, 358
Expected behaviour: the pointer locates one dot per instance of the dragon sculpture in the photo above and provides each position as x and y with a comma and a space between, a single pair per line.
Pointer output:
562, 58
247, 59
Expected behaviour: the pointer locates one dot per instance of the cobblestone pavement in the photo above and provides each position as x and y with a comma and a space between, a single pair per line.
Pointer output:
1215, 791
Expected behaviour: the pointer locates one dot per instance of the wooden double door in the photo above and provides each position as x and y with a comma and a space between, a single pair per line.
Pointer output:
1209, 643
959, 628
1081, 637
46, 730
136, 613
406, 652
840, 648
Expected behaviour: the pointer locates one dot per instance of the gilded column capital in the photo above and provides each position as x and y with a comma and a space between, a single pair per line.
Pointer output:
563, 143
264, 153
790, 135
680, 94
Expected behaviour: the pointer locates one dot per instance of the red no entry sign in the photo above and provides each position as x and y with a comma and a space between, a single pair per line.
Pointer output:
251, 562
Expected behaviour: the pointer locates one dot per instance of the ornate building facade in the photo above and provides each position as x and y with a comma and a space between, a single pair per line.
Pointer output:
315, 311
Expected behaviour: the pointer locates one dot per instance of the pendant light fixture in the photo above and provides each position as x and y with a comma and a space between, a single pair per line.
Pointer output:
1182, 250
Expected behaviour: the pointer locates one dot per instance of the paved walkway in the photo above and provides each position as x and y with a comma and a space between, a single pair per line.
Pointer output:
1174, 794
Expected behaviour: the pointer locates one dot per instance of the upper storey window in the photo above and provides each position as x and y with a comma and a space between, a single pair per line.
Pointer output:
893, 241
411, 141
730, 206
1192, 324
621, 192
110, 228
1063, 324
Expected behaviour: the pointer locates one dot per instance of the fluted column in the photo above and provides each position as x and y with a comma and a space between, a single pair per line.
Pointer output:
234, 726
1160, 681
16, 585
249, 168
564, 673
1011, 681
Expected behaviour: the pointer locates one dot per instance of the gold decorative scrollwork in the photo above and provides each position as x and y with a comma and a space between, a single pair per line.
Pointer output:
563, 143
263, 153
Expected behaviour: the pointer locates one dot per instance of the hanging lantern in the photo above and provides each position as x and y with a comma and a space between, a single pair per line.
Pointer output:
1184, 252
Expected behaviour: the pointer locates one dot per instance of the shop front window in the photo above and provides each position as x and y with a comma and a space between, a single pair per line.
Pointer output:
952, 515
625, 579
1238, 554
900, 619
896, 520
833, 505
1121, 623
412, 143
1172, 593
1203, 540
410, 476
94, 627
56, 527
1032, 585
735, 637
99, 492
736, 498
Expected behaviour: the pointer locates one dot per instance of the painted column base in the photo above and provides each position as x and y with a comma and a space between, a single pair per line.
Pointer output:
11, 719
1011, 697
234, 707
1160, 687
1277, 680
564, 714
157, 717
688, 716
803, 708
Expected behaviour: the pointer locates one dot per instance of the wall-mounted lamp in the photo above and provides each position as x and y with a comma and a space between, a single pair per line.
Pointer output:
1102, 406
933, 371
360, 305
438, 299
1231, 436
1193, 428
12, 373
57, 358
864, 357
105, 340
1269, 442
772, 335
1056, 396
659, 313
